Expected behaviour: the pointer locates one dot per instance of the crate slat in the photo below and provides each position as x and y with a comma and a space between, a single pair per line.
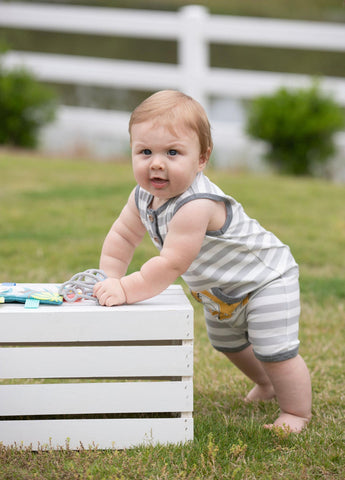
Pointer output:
86, 322
96, 398
90, 362
67, 326
96, 433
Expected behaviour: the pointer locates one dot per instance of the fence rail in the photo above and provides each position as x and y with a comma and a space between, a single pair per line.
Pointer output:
193, 28
167, 25
83, 70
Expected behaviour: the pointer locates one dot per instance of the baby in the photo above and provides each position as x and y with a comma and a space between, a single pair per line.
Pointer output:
246, 279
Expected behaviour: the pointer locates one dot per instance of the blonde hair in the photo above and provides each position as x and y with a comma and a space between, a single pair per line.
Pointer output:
175, 110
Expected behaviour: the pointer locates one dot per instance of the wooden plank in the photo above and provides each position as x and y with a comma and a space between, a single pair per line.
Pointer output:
90, 362
248, 84
93, 21
168, 316
167, 25
276, 33
96, 398
140, 75
96, 433
100, 72
103, 122
44, 326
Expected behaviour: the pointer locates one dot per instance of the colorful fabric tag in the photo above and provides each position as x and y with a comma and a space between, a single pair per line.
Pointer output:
20, 294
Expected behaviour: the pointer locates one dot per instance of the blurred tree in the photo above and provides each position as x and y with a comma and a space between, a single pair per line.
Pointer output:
25, 106
299, 126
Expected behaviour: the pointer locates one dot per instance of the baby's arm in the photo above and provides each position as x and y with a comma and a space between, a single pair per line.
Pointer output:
182, 244
121, 241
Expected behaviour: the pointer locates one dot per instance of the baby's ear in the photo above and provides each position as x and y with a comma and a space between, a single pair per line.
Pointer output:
203, 159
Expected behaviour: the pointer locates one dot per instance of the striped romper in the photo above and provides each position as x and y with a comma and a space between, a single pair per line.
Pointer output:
244, 276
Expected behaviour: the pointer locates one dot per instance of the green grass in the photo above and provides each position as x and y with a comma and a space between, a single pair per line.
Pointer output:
54, 215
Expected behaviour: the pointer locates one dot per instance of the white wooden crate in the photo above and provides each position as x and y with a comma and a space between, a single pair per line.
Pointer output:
97, 376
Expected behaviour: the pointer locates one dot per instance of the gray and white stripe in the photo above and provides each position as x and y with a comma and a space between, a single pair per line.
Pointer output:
237, 259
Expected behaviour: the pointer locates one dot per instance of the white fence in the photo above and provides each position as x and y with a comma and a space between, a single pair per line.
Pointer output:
194, 29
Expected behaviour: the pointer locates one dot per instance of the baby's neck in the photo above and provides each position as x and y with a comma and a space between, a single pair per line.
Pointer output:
157, 202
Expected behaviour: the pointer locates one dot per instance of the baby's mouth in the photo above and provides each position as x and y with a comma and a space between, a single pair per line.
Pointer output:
158, 182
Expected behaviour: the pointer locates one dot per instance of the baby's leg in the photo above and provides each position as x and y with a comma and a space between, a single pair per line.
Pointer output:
288, 380
291, 382
246, 361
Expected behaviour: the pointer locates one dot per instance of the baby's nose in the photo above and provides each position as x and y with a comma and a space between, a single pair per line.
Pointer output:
157, 162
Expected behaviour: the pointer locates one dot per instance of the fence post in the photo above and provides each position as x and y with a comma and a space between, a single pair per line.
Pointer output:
193, 51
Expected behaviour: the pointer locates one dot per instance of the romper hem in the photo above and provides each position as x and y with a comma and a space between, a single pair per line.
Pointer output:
279, 357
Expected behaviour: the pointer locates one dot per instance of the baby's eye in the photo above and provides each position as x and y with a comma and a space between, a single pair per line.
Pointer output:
146, 151
172, 152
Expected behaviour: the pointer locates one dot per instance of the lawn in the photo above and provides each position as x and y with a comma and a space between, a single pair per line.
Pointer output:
54, 216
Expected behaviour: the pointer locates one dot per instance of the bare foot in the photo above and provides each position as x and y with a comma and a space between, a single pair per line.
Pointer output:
260, 393
289, 423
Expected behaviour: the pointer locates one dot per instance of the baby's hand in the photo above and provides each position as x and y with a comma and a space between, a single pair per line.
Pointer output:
109, 292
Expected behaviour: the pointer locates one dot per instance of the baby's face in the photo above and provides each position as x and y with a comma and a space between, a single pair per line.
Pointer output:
165, 163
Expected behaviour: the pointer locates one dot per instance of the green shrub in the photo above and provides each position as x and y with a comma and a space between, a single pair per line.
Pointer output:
25, 106
299, 126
